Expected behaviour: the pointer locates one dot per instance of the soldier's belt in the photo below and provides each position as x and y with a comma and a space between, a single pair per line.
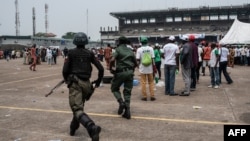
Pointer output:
123, 70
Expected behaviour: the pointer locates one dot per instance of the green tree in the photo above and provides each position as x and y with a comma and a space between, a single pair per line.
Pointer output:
69, 35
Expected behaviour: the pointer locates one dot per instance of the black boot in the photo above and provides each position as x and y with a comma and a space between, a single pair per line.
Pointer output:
127, 114
121, 106
92, 129
74, 125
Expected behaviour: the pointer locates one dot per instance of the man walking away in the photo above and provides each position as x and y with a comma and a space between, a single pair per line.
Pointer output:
33, 56
77, 71
223, 64
123, 74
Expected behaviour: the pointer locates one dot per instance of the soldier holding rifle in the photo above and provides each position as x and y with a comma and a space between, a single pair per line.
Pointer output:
77, 71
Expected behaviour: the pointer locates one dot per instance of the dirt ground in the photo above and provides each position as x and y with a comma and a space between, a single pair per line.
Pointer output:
27, 115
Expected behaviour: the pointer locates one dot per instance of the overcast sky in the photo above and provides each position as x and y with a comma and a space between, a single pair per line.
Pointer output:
72, 16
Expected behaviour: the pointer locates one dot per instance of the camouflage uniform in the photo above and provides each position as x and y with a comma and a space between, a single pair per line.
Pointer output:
77, 71
124, 74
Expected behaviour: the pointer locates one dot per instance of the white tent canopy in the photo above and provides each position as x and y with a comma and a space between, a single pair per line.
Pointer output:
239, 33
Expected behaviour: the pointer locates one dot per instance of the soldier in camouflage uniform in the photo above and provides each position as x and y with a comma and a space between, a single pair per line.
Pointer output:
77, 71
125, 61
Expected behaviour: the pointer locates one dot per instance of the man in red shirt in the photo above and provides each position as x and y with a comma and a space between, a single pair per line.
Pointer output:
206, 57
107, 55
34, 58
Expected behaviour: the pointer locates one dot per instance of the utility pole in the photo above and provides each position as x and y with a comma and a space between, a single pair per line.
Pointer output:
17, 22
46, 18
34, 21
87, 22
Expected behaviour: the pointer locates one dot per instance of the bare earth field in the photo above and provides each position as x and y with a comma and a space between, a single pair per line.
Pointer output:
27, 115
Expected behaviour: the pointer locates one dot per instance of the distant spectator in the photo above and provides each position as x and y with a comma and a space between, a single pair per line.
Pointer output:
231, 56
25, 56
186, 65
214, 67
65, 52
34, 58
223, 64
107, 55
100, 54
200, 54
195, 60
49, 56
13, 54
248, 56
157, 59
171, 64
54, 55
206, 57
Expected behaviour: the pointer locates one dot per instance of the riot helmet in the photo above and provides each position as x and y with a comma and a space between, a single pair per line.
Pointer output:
80, 38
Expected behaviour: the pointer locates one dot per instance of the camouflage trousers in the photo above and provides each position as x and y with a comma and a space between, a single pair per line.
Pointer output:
126, 79
77, 94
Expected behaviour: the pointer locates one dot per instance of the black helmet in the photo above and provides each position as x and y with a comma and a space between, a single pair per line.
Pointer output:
80, 38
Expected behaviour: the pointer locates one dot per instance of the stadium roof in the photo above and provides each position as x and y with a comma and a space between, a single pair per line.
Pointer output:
175, 10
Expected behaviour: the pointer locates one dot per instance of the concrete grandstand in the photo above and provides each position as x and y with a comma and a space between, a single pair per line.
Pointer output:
214, 22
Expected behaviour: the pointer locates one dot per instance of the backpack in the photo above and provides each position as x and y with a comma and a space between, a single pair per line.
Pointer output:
146, 59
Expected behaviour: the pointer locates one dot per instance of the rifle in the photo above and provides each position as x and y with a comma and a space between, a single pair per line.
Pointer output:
58, 85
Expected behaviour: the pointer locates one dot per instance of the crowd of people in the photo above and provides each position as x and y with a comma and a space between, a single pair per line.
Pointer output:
9, 54
193, 58
35, 55
43, 54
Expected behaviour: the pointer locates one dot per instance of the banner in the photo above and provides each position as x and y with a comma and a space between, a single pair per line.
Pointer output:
197, 36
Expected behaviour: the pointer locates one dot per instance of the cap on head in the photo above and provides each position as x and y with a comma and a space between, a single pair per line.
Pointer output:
80, 38
191, 38
171, 38
184, 38
143, 40
122, 40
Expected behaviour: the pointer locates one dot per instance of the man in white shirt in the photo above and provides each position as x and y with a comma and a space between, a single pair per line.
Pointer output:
49, 56
171, 64
238, 55
243, 55
223, 64
214, 67
248, 55
200, 54
146, 71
